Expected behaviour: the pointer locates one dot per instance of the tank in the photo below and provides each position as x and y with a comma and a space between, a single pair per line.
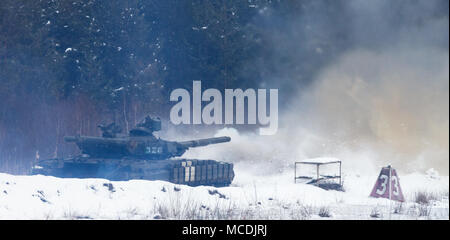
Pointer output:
138, 155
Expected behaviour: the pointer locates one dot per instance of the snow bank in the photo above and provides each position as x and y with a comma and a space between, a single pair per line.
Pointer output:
249, 197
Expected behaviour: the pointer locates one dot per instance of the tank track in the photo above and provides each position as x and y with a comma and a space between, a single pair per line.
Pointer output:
192, 172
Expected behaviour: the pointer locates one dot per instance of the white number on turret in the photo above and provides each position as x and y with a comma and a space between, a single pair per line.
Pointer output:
153, 150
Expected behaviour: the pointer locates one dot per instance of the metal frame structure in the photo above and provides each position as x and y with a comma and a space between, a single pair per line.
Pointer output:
318, 176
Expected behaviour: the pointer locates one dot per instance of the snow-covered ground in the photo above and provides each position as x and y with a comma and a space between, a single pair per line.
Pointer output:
250, 196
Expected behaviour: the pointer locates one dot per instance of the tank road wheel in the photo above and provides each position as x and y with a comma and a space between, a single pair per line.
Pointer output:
202, 172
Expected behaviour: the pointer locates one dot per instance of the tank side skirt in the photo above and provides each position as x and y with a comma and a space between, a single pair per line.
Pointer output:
202, 172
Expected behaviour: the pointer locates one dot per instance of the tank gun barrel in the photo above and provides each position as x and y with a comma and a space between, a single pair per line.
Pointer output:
205, 142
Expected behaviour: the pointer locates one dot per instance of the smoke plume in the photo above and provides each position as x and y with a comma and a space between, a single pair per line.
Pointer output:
383, 100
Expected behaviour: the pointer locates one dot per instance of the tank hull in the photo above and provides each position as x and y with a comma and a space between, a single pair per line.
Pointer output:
192, 172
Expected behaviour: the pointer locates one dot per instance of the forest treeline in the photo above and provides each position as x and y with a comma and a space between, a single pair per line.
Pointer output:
66, 66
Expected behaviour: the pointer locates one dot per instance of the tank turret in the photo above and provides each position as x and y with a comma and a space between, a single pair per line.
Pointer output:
139, 154
147, 147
